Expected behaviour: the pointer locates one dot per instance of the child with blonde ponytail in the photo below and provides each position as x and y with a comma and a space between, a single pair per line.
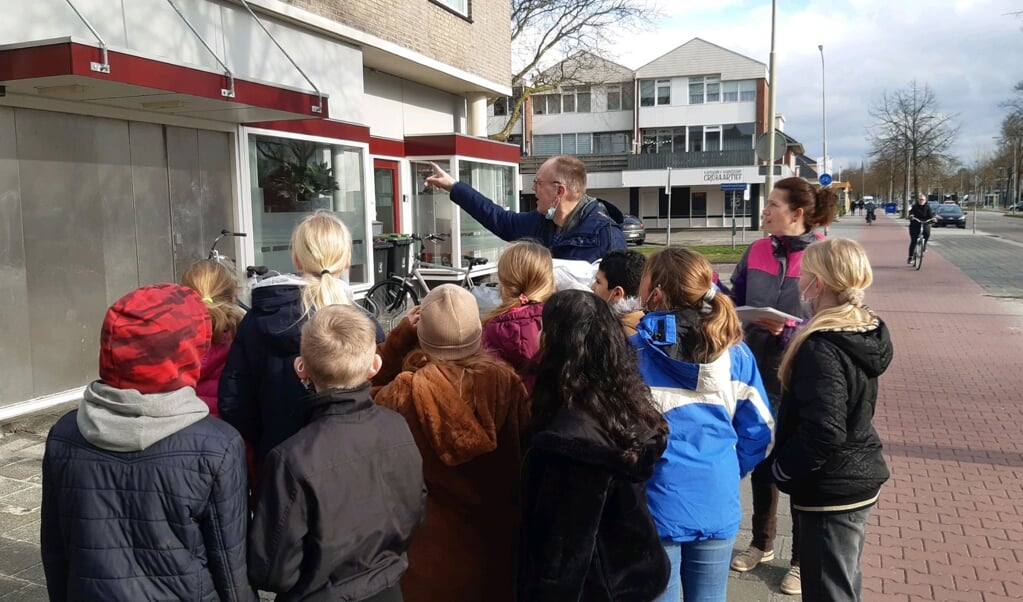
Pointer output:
827, 455
525, 276
705, 382
218, 286
260, 393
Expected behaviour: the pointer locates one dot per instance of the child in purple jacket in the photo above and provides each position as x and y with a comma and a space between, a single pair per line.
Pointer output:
511, 332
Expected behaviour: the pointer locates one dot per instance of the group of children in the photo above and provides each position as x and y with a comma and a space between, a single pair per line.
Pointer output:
569, 445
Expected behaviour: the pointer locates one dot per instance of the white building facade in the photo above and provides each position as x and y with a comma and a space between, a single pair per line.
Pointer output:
697, 110
131, 133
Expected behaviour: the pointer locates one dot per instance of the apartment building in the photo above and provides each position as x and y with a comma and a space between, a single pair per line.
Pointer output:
698, 110
131, 133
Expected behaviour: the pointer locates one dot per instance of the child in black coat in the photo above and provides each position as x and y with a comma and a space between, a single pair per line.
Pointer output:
339, 500
587, 533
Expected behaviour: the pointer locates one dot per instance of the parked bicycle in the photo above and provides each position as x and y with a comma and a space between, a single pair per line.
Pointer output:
921, 242
253, 273
391, 299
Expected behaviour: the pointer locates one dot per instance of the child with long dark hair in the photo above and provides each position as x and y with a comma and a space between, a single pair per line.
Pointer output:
705, 381
587, 532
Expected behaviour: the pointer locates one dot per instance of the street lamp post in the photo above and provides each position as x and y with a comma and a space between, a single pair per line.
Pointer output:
824, 109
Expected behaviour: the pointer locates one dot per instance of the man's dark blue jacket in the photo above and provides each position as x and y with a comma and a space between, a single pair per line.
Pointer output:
589, 235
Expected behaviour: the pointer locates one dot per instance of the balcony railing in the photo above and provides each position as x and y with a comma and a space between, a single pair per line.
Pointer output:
731, 158
593, 163
626, 161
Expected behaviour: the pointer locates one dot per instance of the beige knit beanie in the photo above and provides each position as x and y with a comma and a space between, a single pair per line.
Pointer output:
449, 326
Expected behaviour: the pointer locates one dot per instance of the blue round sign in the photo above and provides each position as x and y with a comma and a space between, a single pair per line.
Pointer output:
825, 179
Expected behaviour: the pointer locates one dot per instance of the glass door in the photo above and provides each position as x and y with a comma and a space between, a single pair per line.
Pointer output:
388, 195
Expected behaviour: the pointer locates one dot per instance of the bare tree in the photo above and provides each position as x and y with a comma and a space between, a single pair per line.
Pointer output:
1011, 150
543, 32
908, 124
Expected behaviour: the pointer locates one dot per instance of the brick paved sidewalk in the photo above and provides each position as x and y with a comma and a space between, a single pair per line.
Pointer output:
949, 525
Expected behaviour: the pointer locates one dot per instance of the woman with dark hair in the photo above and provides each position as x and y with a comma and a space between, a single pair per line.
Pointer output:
768, 276
587, 533
704, 381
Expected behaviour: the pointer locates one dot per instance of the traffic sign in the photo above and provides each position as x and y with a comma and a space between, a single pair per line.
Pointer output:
735, 187
825, 179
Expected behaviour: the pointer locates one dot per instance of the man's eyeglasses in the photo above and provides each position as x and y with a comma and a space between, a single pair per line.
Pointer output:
537, 182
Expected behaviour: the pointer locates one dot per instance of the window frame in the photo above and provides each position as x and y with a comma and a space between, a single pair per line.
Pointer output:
573, 95
450, 6
662, 84
648, 93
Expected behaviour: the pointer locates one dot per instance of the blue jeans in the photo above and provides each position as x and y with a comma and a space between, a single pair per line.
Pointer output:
830, 547
699, 570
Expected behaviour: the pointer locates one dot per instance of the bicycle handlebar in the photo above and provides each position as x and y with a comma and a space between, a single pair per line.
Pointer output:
225, 232
925, 221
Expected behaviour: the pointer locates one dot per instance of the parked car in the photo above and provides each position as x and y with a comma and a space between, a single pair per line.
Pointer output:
634, 230
950, 215
1017, 207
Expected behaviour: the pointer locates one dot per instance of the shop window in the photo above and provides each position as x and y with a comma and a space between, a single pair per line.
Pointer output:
679, 202
292, 178
496, 182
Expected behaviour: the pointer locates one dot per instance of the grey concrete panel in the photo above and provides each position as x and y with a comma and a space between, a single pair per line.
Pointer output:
64, 251
15, 354
187, 240
152, 202
117, 207
214, 149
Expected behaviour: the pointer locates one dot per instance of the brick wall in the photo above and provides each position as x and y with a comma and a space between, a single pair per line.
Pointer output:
481, 46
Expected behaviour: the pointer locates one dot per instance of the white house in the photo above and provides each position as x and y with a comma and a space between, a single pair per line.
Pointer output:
699, 110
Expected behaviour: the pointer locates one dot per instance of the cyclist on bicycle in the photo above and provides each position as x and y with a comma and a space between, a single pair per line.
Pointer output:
920, 216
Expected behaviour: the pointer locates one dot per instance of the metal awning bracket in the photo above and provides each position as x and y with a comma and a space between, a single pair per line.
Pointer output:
225, 92
228, 92
103, 67
318, 107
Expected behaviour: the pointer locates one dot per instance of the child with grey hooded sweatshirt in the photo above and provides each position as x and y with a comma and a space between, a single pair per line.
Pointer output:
144, 493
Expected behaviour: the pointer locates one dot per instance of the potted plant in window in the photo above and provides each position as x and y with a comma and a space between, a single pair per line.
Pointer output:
295, 177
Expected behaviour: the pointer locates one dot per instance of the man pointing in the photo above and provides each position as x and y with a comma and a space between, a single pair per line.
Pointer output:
567, 221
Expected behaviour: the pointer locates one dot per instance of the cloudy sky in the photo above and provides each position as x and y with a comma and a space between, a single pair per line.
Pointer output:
970, 52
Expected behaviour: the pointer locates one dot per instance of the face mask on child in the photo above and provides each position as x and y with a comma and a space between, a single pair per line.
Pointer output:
807, 305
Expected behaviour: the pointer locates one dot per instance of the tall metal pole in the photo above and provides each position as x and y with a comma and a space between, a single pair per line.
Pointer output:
1015, 174
667, 241
824, 109
770, 105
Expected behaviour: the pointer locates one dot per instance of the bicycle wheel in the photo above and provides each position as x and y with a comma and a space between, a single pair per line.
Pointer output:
918, 254
389, 301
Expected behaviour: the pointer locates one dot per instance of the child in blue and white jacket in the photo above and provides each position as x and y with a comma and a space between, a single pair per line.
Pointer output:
706, 383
